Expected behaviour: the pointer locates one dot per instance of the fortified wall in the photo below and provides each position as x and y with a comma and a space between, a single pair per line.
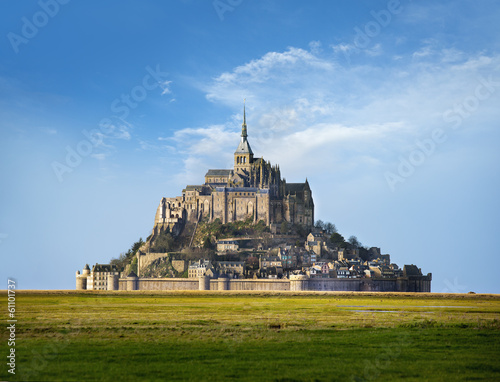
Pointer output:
295, 283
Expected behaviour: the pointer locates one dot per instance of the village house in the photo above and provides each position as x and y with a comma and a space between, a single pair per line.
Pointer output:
288, 257
316, 243
201, 268
227, 245
233, 269
271, 265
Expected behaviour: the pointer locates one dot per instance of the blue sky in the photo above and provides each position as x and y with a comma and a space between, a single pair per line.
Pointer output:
389, 108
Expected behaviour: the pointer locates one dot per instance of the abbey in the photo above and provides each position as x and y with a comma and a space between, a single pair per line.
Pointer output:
253, 189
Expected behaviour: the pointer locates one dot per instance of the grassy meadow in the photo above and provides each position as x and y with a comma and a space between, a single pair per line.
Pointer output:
218, 336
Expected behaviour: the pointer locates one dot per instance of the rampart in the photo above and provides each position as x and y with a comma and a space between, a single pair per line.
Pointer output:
295, 283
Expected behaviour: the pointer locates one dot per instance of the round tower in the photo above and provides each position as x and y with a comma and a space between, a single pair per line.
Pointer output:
86, 270
81, 281
223, 282
132, 281
299, 283
113, 282
204, 283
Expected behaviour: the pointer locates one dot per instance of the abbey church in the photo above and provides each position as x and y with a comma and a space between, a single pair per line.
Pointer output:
253, 189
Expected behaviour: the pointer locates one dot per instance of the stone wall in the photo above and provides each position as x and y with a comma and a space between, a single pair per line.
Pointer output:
295, 284
144, 259
249, 284
180, 265
162, 284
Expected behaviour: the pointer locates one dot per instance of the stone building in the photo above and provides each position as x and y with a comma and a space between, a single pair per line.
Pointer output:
99, 278
227, 245
253, 190
201, 268
232, 268
288, 257
316, 243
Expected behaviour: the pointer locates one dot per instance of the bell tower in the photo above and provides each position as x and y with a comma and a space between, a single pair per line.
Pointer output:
243, 156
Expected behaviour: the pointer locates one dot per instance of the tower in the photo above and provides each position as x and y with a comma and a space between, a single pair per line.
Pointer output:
243, 156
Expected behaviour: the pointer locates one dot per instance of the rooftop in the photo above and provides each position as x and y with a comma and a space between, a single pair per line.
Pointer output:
217, 172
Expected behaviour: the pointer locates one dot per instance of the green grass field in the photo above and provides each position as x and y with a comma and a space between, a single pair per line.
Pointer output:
199, 336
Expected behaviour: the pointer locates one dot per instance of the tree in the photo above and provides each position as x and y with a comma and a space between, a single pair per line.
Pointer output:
120, 261
319, 224
164, 243
330, 228
353, 240
133, 265
252, 262
207, 244
338, 240
137, 245
126, 257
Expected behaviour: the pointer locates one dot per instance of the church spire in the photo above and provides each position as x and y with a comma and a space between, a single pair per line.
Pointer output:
244, 125
243, 156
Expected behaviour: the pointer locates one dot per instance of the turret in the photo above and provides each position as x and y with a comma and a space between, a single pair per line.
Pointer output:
81, 279
86, 270
132, 281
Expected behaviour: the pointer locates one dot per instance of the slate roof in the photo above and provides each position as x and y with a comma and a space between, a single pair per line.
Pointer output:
295, 187
316, 234
219, 173
244, 147
193, 188
105, 268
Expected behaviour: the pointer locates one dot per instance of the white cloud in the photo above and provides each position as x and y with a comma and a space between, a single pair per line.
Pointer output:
119, 130
423, 52
374, 51
343, 48
230, 87
122, 133
315, 47
203, 148
307, 111
165, 85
